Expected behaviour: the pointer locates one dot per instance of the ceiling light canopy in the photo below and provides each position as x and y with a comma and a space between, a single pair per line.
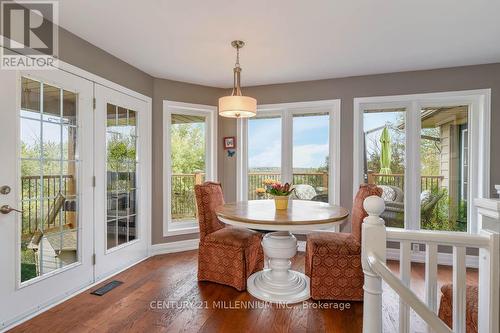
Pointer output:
237, 105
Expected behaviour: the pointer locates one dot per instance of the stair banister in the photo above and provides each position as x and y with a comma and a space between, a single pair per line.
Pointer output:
373, 243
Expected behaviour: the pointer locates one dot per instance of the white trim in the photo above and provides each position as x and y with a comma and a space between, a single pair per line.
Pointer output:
173, 247
82, 73
412, 168
210, 112
442, 258
286, 111
479, 102
241, 159
187, 228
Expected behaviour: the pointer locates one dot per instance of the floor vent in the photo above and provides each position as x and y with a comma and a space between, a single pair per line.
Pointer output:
107, 287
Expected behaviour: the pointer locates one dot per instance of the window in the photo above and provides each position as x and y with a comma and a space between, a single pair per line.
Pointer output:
121, 180
311, 150
417, 148
384, 140
49, 173
264, 154
189, 159
293, 143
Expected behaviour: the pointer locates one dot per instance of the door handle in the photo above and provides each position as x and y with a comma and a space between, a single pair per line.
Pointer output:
6, 209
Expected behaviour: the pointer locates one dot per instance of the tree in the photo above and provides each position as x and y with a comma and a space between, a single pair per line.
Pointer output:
188, 148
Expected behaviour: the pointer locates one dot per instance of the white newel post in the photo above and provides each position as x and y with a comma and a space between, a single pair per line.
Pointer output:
489, 262
373, 241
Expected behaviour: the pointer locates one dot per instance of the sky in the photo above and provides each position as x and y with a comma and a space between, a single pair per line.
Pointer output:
375, 120
310, 142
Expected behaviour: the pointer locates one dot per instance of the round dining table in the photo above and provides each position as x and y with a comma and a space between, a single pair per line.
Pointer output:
277, 282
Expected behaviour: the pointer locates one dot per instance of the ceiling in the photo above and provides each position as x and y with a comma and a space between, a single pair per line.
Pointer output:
287, 40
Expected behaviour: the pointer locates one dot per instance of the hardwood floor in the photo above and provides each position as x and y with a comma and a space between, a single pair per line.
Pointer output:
162, 294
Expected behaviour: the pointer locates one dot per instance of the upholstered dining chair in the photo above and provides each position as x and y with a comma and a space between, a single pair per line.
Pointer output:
333, 259
471, 306
226, 255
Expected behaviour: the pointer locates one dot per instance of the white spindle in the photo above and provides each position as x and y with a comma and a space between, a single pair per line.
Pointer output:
431, 277
373, 242
489, 284
404, 276
459, 288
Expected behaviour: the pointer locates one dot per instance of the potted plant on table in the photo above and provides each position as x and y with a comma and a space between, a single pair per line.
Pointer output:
281, 193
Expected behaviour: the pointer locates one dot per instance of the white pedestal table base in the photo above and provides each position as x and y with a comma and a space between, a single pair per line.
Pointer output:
278, 283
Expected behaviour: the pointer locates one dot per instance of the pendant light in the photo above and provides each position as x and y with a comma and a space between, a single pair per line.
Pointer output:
237, 105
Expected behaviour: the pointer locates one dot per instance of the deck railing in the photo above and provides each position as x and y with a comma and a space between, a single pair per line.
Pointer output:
38, 192
396, 179
318, 180
183, 199
374, 241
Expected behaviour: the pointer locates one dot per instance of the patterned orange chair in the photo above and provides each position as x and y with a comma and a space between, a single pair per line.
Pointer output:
333, 260
226, 255
446, 307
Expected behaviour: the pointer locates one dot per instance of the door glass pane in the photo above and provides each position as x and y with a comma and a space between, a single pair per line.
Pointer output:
122, 161
310, 156
264, 155
444, 158
49, 173
188, 153
384, 159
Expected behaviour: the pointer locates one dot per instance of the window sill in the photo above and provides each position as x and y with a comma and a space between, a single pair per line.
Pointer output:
175, 230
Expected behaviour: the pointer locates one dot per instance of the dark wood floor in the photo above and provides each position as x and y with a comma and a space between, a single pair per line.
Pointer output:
162, 294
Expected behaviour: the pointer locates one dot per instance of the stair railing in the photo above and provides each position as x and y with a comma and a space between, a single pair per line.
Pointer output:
374, 240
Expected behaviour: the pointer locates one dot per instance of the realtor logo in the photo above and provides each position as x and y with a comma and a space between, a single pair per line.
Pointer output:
29, 31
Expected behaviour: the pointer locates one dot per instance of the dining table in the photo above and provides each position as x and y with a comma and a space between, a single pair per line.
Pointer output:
277, 282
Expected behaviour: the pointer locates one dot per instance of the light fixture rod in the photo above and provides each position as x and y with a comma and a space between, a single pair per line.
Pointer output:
237, 44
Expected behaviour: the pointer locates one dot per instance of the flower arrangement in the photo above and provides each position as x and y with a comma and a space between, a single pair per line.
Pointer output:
279, 190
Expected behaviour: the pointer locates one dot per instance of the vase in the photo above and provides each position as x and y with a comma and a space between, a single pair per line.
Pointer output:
281, 202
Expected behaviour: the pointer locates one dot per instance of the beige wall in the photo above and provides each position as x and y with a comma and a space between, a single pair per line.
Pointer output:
450, 79
80, 53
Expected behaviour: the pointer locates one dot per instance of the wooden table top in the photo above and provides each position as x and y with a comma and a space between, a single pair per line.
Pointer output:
299, 213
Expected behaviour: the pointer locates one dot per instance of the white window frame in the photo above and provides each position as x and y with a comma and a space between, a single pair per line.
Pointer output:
171, 228
286, 112
479, 103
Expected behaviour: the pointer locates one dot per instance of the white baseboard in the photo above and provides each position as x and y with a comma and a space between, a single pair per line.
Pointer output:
180, 246
443, 258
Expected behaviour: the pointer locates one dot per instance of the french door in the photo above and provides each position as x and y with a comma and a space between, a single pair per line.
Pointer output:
74, 185
122, 172
46, 219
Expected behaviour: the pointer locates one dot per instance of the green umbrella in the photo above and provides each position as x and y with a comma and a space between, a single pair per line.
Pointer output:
385, 152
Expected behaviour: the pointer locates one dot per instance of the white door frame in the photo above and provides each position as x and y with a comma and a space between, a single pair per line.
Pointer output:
479, 103
56, 284
56, 299
210, 112
109, 261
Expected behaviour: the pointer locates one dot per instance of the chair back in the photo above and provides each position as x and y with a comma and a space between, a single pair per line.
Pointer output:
208, 197
358, 212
